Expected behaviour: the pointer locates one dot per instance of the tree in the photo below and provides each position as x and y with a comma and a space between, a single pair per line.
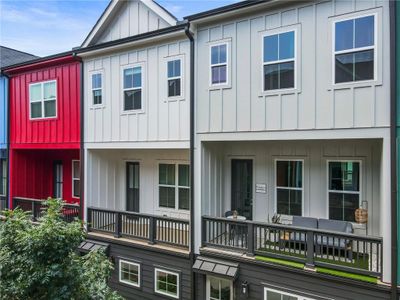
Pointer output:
39, 261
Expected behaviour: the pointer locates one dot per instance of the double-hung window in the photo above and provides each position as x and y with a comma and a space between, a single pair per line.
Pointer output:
129, 273
272, 294
279, 61
43, 100
219, 64
174, 188
219, 289
166, 283
133, 88
289, 187
3, 177
344, 189
76, 179
174, 78
97, 89
354, 49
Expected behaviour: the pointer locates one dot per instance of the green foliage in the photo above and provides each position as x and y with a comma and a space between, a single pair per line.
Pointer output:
39, 261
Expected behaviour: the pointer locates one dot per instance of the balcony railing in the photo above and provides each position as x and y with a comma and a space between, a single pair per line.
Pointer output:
37, 207
313, 247
154, 229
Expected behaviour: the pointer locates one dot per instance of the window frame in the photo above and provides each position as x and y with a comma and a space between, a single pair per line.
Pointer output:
343, 192
181, 77
142, 87
42, 100
120, 280
282, 293
3, 176
73, 179
302, 160
177, 283
355, 16
208, 294
227, 63
102, 104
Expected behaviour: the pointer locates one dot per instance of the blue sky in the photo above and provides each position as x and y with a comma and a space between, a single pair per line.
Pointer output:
51, 26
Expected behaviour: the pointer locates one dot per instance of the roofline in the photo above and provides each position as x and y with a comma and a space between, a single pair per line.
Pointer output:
18, 51
166, 10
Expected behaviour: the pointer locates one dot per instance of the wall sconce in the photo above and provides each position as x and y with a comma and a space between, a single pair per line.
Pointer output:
245, 289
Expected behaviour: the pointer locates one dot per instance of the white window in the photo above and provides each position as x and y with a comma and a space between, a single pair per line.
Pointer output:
219, 289
132, 88
174, 69
219, 64
129, 273
166, 283
279, 60
97, 88
344, 193
43, 100
354, 49
76, 178
289, 187
174, 188
272, 294
3, 177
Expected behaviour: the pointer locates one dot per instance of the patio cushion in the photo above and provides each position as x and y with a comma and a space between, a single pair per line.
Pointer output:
305, 222
335, 225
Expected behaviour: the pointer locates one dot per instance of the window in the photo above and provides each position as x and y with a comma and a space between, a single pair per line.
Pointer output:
97, 89
219, 289
3, 177
344, 189
76, 178
129, 273
166, 283
174, 186
219, 64
43, 100
354, 49
270, 294
279, 61
289, 187
133, 88
174, 78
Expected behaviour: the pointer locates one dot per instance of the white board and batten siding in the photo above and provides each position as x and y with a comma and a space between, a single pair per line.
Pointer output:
315, 103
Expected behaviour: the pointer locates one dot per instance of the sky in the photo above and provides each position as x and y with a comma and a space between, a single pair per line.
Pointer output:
47, 27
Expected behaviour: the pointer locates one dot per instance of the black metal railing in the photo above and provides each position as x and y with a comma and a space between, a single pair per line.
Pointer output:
313, 247
154, 229
37, 207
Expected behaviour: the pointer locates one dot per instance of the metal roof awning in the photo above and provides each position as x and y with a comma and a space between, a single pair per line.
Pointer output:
90, 245
216, 267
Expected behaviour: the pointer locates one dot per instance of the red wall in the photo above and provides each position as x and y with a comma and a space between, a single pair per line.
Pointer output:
60, 132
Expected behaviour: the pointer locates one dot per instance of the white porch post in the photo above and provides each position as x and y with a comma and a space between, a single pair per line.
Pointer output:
197, 194
86, 185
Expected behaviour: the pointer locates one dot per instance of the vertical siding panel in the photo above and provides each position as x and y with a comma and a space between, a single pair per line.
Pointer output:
289, 111
273, 120
156, 77
143, 18
363, 107
343, 108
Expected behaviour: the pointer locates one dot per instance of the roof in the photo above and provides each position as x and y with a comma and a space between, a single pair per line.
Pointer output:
9, 56
91, 245
211, 266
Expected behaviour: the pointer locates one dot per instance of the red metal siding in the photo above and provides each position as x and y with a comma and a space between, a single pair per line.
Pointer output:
59, 133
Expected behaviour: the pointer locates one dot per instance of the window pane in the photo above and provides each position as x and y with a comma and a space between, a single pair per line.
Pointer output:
344, 67
286, 45
96, 81
183, 198
289, 174
344, 35
171, 69
289, 202
271, 77
364, 65
222, 54
342, 206
76, 171
273, 296
36, 110
167, 197
214, 288
174, 87
49, 89
167, 174
35, 92
218, 74
214, 55
50, 108
364, 31
133, 77
271, 48
76, 188
97, 97
172, 279
132, 99
344, 176
225, 290
183, 175
286, 75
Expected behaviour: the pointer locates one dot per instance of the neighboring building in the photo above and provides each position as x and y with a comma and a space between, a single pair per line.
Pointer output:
136, 145
45, 130
292, 126
8, 57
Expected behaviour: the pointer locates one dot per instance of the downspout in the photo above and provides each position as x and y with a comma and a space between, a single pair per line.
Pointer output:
393, 148
8, 141
192, 136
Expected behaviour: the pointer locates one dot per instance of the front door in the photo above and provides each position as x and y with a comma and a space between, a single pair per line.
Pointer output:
242, 187
132, 186
57, 179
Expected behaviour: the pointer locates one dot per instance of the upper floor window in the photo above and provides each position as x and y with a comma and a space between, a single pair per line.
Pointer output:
97, 89
43, 100
174, 186
133, 88
279, 61
354, 53
219, 64
174, 78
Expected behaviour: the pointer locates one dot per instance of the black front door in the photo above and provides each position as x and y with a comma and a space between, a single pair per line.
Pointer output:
57, 179
242, 187
132, 186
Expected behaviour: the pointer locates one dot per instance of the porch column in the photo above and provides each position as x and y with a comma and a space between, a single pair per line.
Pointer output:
197, 195
86, 183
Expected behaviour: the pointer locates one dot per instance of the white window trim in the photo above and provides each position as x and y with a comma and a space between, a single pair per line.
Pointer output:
288, 188
120, 273
182, 77
284, 294
374, 47
176, 186
156, 270
208, 294
102, 104
142, 87
3, 161
41, 83
227, 63
74, 178
343, 192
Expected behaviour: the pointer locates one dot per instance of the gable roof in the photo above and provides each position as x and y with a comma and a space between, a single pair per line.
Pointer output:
9, 56
113, 7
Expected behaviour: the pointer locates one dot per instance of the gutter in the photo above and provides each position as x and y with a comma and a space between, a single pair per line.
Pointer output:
8, 141
192, 136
